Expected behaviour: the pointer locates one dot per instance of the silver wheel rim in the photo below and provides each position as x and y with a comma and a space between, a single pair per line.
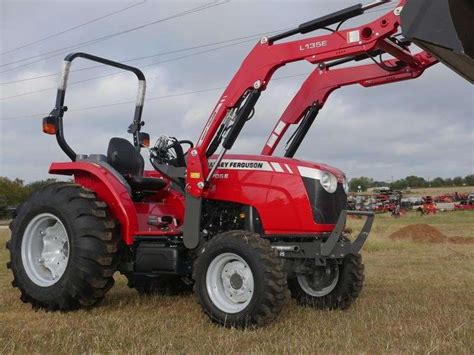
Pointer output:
322, 282
229, 283
45, 249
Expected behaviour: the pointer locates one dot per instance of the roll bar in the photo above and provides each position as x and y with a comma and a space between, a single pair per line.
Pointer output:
58, 111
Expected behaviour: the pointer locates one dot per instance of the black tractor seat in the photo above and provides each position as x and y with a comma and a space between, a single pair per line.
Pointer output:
143, 183
123, 157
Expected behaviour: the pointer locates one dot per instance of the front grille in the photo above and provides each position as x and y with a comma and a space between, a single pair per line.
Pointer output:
326, 207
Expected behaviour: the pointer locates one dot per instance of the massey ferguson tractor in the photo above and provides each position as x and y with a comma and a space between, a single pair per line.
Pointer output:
243, 231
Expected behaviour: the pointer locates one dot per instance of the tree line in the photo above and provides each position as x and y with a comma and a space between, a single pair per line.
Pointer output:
14, 192
411, 181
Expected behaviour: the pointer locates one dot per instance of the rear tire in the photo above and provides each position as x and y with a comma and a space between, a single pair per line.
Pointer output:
239, 280
81, 272
338, 293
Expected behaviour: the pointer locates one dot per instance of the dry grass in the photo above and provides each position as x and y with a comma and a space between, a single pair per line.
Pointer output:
417, 298
436, 191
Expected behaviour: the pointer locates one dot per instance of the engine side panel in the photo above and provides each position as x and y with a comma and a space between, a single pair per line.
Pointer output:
274, 187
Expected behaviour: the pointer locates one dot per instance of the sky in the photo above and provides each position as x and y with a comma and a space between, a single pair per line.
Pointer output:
422, 127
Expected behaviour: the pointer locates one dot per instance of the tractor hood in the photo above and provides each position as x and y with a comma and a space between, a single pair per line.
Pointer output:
445, 29
275, 164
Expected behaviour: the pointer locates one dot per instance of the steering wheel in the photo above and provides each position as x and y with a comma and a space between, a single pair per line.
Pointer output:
188, 142
169, 150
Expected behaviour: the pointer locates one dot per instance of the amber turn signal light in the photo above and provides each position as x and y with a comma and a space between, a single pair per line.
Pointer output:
144, 140
50, 125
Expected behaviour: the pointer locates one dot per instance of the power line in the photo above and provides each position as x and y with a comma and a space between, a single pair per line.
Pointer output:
104, 38
72, 28
167, 96
147, 99
383, 8
252, 36
124, 71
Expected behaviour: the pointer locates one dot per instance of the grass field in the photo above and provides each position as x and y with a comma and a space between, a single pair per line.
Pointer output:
436, 191
418, 298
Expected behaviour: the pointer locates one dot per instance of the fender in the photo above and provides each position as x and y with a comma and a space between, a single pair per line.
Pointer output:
108, 188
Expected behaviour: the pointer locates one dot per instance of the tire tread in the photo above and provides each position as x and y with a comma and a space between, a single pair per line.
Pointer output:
275, 288
347, 290
97, 245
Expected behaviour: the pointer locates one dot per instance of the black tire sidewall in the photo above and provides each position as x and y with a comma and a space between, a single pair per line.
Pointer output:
343, 294
333, 291
93, 248
48, 293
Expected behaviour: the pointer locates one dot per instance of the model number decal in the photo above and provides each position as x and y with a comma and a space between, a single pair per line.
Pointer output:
220, 176
313, 45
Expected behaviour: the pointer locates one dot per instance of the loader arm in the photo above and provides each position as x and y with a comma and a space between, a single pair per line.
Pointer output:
236, 105
316, 89
266, 57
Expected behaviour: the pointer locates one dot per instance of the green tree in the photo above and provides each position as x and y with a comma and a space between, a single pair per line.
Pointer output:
363, 181
13, 192
399, 184
3, 206
415, 181
39, 184
438, 182
458, 181
469, 180
380, 184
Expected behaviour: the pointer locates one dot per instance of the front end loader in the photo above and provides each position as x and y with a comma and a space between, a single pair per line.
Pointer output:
243, 231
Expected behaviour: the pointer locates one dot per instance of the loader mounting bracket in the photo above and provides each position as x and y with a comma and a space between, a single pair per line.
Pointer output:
333, 246
328, 247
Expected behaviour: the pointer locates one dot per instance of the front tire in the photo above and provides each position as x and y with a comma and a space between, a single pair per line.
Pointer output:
334, 286
239, 280
63, 248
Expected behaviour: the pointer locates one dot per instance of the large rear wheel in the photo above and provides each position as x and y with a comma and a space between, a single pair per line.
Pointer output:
63, 248
239, 280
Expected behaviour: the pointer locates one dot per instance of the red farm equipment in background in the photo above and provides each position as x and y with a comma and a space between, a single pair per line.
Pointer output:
241, 229
429, 206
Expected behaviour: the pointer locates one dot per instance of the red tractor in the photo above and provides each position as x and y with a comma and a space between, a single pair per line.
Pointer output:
243, 230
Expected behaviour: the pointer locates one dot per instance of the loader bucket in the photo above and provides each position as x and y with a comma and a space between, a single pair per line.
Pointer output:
444, 28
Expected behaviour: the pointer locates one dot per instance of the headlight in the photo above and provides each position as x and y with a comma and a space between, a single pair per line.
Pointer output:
329, 182
345, 185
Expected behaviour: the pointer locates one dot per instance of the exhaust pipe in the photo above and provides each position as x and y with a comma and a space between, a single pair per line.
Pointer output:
445, 29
